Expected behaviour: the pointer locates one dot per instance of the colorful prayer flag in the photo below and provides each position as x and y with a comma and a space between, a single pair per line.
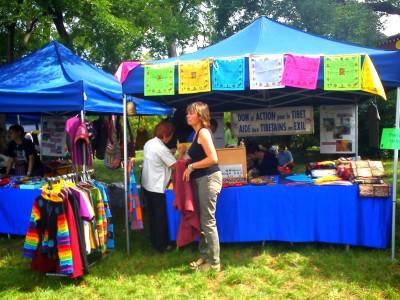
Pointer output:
159, 80
194, 77
124, 69
228, 74
342, 72
301, 71
371, 81
266, 72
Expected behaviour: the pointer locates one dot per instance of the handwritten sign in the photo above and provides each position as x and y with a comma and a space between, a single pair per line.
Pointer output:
273, 121
390, 138
229, 171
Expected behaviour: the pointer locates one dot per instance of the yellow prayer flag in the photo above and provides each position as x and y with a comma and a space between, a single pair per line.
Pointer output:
371, 81
342, 72
194, 77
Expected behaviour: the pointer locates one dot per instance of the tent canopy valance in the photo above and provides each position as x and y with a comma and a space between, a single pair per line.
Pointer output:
264, 37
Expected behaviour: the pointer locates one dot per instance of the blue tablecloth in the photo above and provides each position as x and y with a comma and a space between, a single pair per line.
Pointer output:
331, 214
15, 209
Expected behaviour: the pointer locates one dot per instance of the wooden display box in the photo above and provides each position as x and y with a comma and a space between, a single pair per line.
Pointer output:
233, 157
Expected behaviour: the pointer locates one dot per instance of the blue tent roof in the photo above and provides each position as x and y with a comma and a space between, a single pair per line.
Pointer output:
55, 79
265, 36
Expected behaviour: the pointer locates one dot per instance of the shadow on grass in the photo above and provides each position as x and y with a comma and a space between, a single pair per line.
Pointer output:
317, 262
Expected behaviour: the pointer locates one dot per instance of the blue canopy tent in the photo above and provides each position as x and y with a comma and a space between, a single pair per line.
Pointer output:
265, 36
55, 80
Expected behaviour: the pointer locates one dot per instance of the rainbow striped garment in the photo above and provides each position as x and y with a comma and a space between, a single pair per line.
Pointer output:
48, 226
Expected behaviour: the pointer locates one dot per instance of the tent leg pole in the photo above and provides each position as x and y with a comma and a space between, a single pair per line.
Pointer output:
394, 192
83, 148
126, 178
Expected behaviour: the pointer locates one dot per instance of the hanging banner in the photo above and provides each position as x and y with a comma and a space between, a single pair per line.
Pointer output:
273, 121
53, 136
337, 128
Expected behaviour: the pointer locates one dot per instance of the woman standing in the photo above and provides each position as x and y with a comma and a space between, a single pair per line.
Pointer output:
206, 177
158, 163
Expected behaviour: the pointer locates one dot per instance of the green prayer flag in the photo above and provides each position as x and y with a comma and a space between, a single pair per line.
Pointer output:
342, 72
390, 138
159, 80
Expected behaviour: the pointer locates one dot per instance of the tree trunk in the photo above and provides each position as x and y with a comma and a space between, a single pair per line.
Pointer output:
58, 21
10, 42
172, 49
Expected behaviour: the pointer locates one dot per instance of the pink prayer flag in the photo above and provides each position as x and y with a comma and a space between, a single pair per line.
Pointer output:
124, 69
301, 72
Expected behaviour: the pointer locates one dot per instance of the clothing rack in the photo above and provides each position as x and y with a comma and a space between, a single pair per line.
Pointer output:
85, 176
74, 175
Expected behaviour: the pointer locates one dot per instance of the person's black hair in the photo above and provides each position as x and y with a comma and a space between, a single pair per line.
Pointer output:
214, 123
17, 128
252, 147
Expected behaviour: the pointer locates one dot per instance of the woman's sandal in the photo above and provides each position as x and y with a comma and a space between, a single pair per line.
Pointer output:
206, 266
194, 265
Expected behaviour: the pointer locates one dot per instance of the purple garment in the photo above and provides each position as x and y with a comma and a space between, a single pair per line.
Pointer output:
87, 213
71, 127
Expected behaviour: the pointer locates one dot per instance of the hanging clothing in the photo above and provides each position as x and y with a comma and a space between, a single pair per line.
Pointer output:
60, 233
135, 208
78, 136
48, 226
373, 124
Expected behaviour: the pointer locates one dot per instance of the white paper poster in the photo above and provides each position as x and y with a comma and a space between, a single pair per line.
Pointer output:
337, 128
53, 136
273, 121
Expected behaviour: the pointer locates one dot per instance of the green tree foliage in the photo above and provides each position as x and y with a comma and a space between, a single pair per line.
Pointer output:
350, 21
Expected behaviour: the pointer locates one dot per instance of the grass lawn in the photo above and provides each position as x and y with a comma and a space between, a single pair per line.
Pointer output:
276, 270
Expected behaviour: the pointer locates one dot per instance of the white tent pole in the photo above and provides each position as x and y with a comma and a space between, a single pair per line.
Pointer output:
83, 148
394, 191
126, 176
356, 131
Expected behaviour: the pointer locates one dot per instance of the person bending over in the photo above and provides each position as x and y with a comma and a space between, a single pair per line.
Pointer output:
265, 162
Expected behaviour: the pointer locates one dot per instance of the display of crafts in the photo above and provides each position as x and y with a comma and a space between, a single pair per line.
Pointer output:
233, 181
263, 180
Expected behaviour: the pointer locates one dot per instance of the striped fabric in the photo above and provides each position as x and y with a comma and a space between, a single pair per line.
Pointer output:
135, 208
58, 246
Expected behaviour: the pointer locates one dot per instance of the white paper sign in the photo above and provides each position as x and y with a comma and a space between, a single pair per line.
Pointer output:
229, 171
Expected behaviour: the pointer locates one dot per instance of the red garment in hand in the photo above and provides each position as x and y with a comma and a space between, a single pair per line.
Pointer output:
189, 227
